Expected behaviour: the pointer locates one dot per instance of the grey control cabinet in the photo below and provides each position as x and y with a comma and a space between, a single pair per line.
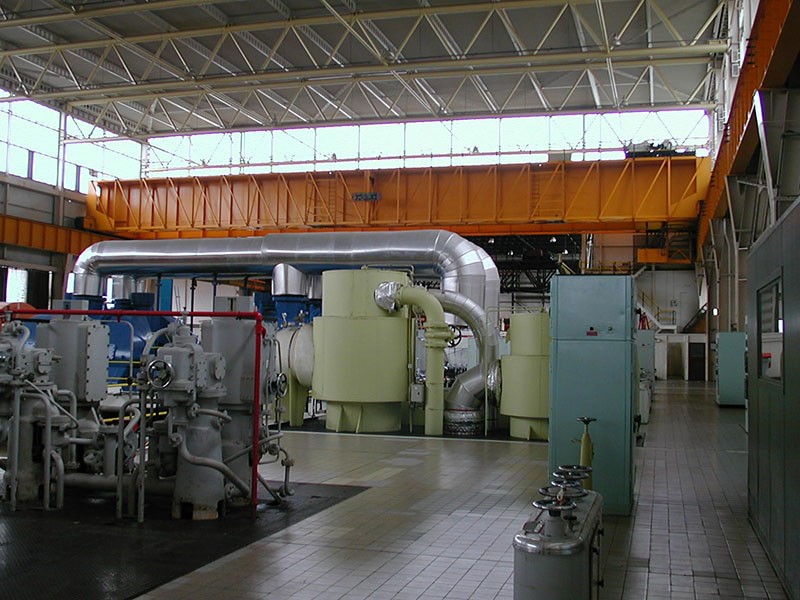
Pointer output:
592, 374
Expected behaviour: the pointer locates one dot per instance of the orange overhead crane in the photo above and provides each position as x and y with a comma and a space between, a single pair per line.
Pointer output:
554, 197
43, 236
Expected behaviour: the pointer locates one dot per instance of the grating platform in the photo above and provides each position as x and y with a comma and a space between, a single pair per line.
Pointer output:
84, 553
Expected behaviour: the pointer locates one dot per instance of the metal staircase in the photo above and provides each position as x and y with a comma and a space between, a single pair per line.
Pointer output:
663, 321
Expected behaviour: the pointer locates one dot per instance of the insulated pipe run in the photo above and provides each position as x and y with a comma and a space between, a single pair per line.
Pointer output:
463, 266
437, 334
467, 390
474, 316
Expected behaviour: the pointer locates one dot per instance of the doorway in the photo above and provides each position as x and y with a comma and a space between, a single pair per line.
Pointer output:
697, 361
674, 360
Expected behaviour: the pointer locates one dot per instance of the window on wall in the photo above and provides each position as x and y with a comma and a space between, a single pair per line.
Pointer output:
16, 285
770, 330
31, 137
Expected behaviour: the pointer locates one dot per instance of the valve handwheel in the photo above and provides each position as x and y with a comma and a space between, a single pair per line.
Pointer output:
159, 373
565, 490
281, 384
554, 507
457, 335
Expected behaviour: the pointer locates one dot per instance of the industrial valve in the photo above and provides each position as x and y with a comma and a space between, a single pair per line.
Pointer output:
279, 385
181, 370
159, 374
20, 362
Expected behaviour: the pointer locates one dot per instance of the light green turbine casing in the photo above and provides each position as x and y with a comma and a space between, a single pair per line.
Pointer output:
526, 376
360, 353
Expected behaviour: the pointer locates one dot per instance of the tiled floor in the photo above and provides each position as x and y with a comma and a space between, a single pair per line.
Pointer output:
439, 516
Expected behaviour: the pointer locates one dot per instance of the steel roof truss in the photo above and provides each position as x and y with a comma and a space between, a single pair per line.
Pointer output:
513, 91
635, 85
235, 40
291, 103
519, 46
367, 98
164, 110
579, 27
455, 93
572, 89
277, 80
667, 86
124, 64
665, 20
621, 33
708, 22
45, 69
212, 54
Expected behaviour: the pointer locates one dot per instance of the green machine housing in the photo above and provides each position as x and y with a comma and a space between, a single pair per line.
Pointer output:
593, 374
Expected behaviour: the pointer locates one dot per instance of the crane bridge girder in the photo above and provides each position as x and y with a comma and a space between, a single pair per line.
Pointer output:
552, 197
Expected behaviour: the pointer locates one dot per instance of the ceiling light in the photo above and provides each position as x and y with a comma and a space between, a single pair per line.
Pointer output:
553, 240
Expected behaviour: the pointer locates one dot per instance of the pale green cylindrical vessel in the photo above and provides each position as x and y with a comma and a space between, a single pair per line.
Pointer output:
360, 353
526, 376
529, 334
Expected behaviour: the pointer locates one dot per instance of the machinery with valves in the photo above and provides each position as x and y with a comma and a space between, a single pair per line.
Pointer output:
34, 424
557, 553
193, 424
187, 381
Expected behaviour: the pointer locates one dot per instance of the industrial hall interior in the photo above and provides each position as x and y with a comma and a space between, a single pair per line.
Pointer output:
421, 299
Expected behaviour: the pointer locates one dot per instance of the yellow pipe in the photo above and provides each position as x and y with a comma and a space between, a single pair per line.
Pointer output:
437, 334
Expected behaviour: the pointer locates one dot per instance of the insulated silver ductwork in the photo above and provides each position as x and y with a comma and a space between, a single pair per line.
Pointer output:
289, 281
466, 392
492, 292
475, 317
463, 266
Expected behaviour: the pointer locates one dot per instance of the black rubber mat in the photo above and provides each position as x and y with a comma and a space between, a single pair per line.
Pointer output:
84, 553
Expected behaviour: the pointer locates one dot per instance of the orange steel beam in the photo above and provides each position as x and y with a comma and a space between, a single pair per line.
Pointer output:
42, 236
557, 197
772, 28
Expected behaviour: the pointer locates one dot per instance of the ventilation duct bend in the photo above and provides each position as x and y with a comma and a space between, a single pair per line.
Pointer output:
467, 390
463, 266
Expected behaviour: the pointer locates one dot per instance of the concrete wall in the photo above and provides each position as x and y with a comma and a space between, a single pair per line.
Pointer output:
26, 199
672, 354
674, 292
774, 410
610, 250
